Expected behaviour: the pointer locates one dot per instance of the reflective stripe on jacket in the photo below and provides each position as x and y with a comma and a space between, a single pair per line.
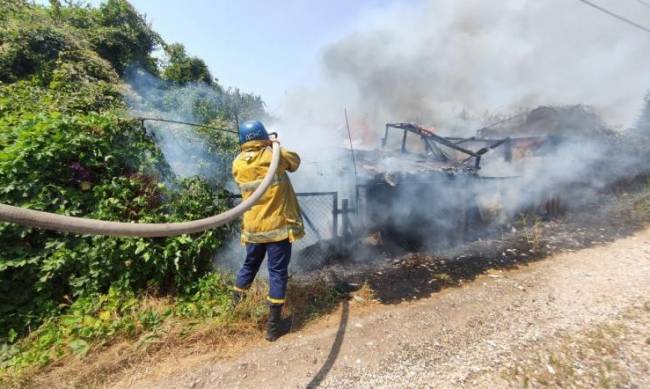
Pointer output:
276, 216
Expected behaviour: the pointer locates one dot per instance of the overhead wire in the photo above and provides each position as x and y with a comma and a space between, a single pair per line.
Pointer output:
144, 119
617, 16
645, 3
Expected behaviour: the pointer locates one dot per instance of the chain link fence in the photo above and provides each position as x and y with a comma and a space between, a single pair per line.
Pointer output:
320, 216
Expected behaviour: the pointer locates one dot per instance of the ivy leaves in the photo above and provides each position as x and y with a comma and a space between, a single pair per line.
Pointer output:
100, 166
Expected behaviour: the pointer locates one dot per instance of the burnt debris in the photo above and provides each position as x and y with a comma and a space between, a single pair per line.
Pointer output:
425, 191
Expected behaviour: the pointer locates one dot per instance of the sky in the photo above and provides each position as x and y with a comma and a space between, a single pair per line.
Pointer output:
261, 47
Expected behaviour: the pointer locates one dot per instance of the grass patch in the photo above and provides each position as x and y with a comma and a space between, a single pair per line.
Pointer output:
640, 209
94, 323
136, 326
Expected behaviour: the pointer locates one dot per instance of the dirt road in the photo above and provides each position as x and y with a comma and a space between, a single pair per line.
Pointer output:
578, 319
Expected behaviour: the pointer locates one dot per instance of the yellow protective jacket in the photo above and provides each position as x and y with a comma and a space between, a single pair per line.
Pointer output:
276, 216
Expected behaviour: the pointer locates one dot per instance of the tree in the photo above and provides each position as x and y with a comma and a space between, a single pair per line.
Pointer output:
123, 37
55, 6
67, 146
240, 107
183, 69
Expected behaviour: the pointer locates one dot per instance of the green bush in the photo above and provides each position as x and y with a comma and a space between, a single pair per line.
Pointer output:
98, 319
183, 69
101, 167
123, 37
33, 39
68, 146
30, 48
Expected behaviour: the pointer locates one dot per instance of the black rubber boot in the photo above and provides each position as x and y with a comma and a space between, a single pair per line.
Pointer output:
276, 326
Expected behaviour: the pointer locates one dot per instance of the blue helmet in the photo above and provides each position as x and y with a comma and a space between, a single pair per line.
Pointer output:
252, 130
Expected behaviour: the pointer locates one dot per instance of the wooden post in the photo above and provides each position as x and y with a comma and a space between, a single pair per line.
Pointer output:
346, 220
335, 216
404, 141
385, 139
463, 204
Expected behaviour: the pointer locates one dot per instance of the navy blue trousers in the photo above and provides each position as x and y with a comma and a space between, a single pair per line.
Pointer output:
279, 254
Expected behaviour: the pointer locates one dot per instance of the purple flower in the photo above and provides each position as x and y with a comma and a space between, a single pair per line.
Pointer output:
80, 173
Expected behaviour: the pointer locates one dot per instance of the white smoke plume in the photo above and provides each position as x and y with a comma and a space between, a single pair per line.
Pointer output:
449, 63
184, 148
454, 65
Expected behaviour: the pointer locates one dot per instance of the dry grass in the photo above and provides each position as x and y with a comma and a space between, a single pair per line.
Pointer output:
635, 207
176, 339
193, 341
364, 295
533, 231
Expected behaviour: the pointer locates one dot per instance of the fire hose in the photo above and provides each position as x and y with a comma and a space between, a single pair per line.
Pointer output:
80, 225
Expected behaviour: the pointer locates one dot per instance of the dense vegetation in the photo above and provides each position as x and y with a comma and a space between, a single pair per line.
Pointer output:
68, 145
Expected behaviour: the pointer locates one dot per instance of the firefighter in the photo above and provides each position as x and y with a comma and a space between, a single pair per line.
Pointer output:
271, 225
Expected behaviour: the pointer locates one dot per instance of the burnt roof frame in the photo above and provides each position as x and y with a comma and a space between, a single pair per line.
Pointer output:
431, 140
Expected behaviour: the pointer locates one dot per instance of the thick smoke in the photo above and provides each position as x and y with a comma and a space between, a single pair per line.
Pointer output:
184, 148
449, 63
456, 65
643, 124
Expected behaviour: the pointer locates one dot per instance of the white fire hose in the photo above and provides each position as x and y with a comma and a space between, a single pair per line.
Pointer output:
80, 225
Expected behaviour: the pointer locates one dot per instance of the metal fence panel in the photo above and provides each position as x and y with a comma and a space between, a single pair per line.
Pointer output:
319, 212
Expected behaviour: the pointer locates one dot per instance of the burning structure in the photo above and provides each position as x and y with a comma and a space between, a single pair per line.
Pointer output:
427, 190
423, 190
420, 190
